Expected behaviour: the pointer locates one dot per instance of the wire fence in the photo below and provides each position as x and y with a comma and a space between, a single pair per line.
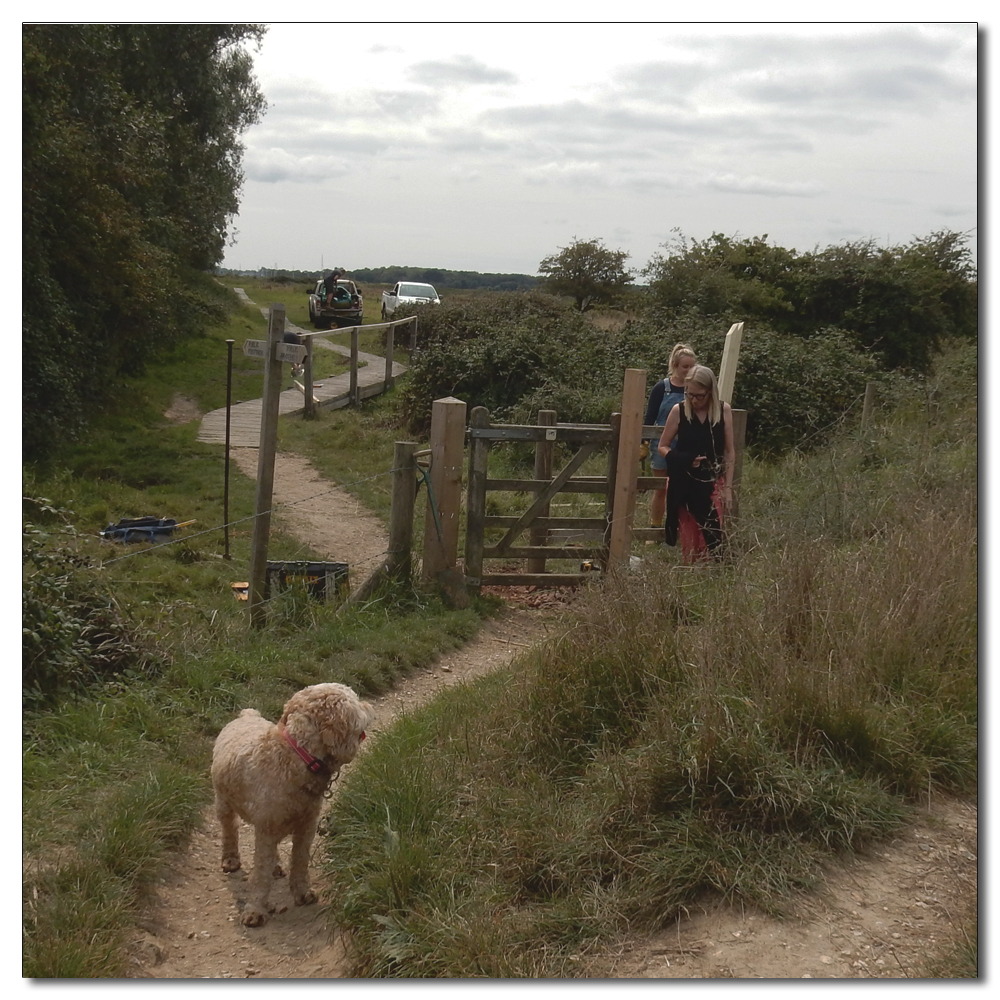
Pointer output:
159, 546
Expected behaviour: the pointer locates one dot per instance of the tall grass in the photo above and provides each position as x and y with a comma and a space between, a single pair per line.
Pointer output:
717, 729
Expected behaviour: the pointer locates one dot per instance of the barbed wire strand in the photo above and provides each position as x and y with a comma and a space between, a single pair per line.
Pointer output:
158, 546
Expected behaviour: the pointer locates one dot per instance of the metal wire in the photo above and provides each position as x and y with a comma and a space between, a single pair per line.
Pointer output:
242, 520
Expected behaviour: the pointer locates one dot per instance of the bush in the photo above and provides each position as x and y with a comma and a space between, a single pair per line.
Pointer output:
901, 302
490, 351
74, 633
517, 354
796, 392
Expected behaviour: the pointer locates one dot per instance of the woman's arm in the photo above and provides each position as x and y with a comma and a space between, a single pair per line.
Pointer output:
669, 429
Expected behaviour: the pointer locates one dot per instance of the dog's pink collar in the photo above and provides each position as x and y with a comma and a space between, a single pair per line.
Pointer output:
315, 764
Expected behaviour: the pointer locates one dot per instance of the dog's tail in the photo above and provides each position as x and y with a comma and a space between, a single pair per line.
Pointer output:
249, 712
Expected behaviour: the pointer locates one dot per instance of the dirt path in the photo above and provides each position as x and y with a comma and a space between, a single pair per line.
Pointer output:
328, 519
879, 916
192, 930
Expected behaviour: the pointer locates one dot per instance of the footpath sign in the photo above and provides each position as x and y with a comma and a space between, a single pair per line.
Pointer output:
290, 352
255, 348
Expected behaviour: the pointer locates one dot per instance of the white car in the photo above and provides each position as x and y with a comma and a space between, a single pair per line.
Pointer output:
408, 293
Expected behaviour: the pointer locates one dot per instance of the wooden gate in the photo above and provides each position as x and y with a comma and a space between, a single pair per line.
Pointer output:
603, 541
576, 538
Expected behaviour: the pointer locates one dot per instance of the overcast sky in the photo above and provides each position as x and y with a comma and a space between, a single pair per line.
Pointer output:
487, 147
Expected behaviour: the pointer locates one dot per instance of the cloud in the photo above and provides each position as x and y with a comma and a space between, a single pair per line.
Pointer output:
861, 90
590, 174
464, 175
272, 166
626, 136
596, 174
459, 71
668, 82
306, 105
905, 68
405, 105
734, 184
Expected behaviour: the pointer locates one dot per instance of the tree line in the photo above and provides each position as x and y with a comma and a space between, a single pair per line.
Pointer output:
900, 302
439, 277
443, 278
131, 173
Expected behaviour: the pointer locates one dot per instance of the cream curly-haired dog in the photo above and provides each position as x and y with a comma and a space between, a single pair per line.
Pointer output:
274, 777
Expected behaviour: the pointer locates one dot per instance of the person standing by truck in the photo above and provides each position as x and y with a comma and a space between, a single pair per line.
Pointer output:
331, 286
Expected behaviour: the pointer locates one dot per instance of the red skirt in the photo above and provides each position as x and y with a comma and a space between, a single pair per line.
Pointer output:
693, 547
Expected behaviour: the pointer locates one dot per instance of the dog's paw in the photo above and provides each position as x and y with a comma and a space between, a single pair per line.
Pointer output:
304, 898
278, 872
231, 863
254, 918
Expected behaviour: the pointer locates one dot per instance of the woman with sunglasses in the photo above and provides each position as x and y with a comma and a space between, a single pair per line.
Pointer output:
697, 443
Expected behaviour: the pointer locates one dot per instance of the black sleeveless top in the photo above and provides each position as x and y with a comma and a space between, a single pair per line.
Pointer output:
697, 438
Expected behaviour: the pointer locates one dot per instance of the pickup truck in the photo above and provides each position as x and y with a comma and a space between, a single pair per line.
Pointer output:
408, 293
346, 310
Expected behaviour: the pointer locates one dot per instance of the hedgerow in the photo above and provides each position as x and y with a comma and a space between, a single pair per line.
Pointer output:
517, 354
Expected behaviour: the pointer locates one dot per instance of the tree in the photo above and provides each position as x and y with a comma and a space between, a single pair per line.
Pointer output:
900, 302
131, 170
723, 277
587, 271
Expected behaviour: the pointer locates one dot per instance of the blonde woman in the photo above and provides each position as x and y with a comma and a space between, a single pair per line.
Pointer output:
665, 394
697, 443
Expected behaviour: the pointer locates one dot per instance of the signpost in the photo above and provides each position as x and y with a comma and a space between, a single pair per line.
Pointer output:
730, 358
292, 353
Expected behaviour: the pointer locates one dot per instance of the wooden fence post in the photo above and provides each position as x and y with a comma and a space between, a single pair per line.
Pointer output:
355, 399
444, 497
229, 415
739, 445
871, 388
544, 451
307, 380
612, 474
633, 410
265, 469
398, 560
389, 380
404, 492
479, 451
